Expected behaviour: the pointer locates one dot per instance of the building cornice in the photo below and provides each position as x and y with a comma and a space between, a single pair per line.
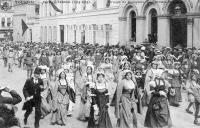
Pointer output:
140, 17
164, 16
19, 14
193, 15
122, 18
87, 13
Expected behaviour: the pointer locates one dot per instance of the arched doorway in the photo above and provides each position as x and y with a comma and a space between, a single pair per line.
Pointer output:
178, 23
153, 26
132, 26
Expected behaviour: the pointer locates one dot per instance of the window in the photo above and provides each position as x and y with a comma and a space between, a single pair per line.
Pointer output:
107, 37
3, 22
108, 4
133, 26
37, 9
8, 22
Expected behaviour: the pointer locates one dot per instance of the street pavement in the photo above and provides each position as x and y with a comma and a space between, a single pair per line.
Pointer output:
16, 80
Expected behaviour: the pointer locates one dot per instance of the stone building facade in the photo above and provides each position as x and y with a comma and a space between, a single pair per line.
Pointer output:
169, 22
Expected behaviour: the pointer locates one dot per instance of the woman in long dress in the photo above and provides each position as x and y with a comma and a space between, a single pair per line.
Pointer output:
175, 89
158, 115
150, 75
109, 75
99, 117
60, 99
125, 103
46, 93
85, 103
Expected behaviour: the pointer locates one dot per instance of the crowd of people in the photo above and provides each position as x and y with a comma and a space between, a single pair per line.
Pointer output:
128, 78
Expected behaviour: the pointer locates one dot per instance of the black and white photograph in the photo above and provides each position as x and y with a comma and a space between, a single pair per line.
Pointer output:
99, 63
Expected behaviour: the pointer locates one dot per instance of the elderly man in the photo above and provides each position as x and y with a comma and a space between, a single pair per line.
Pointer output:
7, 108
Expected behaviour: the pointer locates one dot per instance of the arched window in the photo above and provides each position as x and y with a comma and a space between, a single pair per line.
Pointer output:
178, 23
153, 25
133, 26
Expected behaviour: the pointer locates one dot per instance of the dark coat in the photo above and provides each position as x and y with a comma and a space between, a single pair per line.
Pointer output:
15, 99
6, 115
32, 89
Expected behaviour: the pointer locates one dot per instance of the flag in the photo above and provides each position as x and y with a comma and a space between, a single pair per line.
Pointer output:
54, 7
24, 27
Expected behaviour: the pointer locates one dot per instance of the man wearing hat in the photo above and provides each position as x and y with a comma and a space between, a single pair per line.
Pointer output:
32, 93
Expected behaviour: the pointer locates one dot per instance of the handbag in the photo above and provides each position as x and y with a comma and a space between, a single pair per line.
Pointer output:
156, 105
172, 92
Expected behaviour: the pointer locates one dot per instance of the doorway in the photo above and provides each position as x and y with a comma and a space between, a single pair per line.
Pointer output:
178, 24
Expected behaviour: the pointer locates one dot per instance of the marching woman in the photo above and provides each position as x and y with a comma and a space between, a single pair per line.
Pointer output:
57, 61
85, 103
125, 101
150, 75
46, 93
109, 76
158, 115
29, 62
175, 89
99, 117
44, 60
63, 93
10, 60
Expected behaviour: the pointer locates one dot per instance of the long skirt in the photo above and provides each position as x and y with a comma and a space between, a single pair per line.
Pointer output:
177, 97
127, 111
59, 116
84, 112
158, 114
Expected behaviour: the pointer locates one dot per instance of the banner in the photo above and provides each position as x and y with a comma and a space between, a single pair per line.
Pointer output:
24, 27
55, 7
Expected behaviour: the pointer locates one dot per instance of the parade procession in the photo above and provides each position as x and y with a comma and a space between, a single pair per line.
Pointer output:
100, 64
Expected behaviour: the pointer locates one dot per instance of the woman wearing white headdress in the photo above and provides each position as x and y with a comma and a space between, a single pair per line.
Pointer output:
109, 74
125, 101
99, 116
85, 103
61, 97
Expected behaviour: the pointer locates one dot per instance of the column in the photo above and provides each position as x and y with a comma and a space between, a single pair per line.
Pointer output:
41, 11
58, 33
64, 7
5, 21
196, 28
55, 34
66, 33
163, 31
140, 23
45, 9
48, 11
122, 30
190, 33
41, 33
61, 6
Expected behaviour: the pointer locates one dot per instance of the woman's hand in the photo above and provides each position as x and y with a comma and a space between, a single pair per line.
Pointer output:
162, 93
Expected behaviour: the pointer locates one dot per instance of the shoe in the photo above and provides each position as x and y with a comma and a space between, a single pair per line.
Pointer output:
196, 123
188, 111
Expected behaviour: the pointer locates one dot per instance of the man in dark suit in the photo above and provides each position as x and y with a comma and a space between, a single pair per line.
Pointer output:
32, 90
